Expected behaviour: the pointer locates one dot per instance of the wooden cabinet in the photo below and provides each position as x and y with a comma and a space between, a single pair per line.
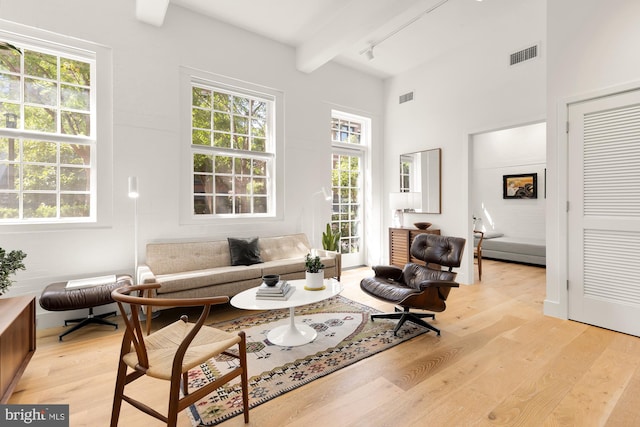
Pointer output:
17, 341
400, 240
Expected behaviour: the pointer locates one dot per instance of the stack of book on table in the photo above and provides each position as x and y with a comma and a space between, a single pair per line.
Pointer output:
281, 291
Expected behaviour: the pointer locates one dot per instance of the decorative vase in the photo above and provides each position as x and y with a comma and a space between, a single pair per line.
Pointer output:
314, 281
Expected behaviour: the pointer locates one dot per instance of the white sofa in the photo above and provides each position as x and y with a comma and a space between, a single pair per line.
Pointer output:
197, 269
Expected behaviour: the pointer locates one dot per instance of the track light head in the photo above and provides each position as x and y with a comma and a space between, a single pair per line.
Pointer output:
369, 53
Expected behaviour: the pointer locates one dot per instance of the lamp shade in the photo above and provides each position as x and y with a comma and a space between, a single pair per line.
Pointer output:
398, 200
405, 201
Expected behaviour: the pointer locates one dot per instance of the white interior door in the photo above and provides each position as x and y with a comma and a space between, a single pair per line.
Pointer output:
604, 212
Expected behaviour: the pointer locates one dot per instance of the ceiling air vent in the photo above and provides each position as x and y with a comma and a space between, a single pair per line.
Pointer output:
523, 55
406, 97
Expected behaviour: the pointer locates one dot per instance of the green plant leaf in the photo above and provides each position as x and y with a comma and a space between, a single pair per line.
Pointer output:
313, 264
9, 263
330, 239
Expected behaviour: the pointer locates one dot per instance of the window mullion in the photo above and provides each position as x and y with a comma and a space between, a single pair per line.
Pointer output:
231, 152
59, 105
58, 176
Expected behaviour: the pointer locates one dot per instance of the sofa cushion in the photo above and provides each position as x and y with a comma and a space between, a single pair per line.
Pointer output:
244, 251
202, 278
222, 289
175, 257
283, 266
284, 247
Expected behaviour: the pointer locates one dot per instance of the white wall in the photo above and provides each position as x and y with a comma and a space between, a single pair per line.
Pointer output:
146, 134
466, 91
506, 152
592, 51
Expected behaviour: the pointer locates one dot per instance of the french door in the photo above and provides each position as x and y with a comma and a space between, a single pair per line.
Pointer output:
346, 213
350, 139
604, 212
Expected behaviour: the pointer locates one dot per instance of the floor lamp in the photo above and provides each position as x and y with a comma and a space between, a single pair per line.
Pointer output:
134, 194
327, 196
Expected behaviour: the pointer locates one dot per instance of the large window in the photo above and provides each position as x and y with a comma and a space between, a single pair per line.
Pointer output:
350, 139
47, 133
233, 152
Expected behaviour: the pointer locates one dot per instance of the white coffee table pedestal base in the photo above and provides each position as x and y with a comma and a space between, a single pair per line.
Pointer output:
293, 334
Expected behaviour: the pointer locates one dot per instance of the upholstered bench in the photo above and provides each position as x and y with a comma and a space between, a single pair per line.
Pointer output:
59, 297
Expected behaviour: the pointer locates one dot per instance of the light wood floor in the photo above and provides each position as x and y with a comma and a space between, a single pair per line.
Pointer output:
499, 361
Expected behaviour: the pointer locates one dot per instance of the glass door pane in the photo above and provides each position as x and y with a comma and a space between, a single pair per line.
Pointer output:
347, 205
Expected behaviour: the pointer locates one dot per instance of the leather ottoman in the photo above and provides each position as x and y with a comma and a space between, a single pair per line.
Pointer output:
57, 297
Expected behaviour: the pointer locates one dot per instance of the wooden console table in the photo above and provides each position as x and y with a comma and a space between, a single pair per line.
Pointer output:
17, 341
400, 240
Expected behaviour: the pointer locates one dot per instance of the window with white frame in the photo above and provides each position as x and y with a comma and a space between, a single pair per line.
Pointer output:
47, 133
349, 138
233, 151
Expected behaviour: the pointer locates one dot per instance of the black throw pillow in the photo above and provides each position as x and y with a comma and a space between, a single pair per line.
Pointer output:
244, 251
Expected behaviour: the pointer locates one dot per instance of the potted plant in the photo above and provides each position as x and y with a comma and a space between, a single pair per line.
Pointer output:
314, 274
330, 239
9, 264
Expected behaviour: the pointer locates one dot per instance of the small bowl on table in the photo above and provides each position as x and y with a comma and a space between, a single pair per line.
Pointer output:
422, 225
271, 279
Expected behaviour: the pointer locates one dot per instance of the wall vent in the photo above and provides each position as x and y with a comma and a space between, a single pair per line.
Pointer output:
523, 55
406, 97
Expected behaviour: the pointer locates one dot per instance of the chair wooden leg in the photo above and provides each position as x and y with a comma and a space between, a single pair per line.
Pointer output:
174, 400
479, 266
119, 392
244, 377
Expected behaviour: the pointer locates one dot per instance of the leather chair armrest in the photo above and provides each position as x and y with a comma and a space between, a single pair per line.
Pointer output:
439, 284
388, 272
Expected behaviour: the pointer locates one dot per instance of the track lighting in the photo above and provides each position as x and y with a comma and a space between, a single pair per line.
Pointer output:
369, 53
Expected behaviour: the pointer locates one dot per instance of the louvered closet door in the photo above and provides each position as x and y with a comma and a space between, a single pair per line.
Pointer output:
604, 212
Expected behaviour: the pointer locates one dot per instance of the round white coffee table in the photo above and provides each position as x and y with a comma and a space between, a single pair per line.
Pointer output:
293, 334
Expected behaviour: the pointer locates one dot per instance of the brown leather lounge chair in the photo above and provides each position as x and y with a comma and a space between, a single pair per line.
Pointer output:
418, 286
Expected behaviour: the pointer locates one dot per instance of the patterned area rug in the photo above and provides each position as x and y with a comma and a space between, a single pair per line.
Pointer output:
345, 335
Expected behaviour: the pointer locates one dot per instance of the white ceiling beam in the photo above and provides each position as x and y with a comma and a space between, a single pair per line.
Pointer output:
152, 11
356, 20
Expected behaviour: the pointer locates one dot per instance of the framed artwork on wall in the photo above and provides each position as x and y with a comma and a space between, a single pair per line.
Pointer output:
522, 186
